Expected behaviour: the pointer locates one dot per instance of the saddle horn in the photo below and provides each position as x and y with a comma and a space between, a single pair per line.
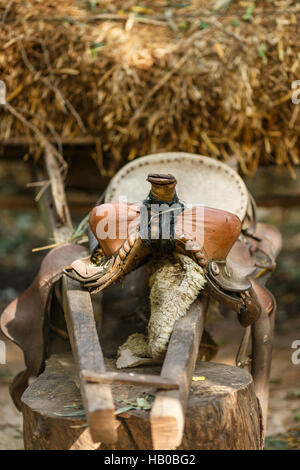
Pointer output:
162, 186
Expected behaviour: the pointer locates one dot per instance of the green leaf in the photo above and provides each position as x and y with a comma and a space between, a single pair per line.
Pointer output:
96, 45
123, 409
93, 4
150, 397
297, 417
77, 406
273, 443
94, 48
78, 414
262, 51
248, 14
140, 404
235, 23
81, 228
143, 403
275, 381
183, 25
203, 25
178, 5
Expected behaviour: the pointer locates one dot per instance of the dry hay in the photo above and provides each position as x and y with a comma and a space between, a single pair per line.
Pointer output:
206, 77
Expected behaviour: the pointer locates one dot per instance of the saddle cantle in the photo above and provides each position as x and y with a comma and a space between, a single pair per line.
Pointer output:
230, 251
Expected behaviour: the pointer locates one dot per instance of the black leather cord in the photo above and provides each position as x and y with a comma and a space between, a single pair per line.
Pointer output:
166, 222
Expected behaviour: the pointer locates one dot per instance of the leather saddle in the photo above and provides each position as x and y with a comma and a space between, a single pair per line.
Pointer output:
210, 217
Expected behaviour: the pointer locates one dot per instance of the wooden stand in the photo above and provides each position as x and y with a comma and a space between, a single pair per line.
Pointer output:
222, 410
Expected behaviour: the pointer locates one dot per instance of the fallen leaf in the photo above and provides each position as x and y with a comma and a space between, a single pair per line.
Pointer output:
123, 409
142, 10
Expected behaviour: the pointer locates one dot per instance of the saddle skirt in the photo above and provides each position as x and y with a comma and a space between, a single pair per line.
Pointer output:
25, 321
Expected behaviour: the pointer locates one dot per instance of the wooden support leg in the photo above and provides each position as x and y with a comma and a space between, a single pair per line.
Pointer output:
97, 398
262, 338
168, 412
241, 358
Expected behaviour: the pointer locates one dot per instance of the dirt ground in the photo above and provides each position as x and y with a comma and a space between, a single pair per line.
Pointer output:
20, 232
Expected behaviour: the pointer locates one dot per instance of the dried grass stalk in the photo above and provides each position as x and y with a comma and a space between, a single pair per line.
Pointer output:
210, 77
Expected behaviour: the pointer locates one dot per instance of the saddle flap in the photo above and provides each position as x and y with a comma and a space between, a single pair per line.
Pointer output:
225, 277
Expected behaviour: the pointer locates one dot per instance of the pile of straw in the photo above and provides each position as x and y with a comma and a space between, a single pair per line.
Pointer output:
209, 77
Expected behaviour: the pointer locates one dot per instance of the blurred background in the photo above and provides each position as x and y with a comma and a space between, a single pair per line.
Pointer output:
106, 82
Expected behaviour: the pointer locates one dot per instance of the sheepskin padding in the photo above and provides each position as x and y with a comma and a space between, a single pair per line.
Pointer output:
175, 284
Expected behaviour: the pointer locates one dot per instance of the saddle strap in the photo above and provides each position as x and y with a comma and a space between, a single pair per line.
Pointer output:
268, 303
18, 387
250, 218
245, 304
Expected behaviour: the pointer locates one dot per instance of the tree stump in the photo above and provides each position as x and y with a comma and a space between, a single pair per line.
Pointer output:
222, 413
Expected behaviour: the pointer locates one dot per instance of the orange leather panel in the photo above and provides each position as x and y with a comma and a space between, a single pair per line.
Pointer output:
220, 229
217, 229
112, 223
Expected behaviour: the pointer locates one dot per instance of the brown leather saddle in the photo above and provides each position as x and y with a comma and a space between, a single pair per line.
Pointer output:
229, 244
210, 217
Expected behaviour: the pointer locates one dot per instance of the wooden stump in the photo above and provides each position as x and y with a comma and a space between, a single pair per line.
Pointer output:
222, 410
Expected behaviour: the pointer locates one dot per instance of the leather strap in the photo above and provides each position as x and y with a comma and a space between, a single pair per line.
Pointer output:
18, 387
252, 217
245, 304
251, 310
242, 359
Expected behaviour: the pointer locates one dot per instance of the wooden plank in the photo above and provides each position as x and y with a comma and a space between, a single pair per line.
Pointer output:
168, 412
274, 186
262, 343
78, 202
57, 231
57, 189
123, 378
97, 398
58, 228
